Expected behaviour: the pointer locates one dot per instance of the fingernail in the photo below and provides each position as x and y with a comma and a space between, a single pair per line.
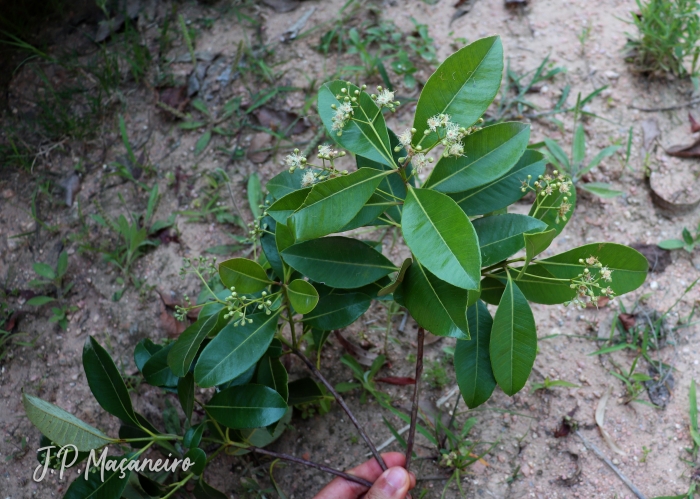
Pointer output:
396, 478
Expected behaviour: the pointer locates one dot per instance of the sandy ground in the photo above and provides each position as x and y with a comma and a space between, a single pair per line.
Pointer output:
526, 460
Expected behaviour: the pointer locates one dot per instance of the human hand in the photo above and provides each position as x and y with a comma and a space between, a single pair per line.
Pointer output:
394, 483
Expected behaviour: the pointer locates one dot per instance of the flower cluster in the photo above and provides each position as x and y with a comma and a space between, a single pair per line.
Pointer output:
345, 111
453, 133
295, 160
385, 98
591, 284
459, 458
549, 185
239, 305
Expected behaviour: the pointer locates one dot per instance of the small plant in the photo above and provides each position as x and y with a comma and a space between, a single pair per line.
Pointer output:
52, 280
548, 384
668, 32
308, 281
575, 167
688, 242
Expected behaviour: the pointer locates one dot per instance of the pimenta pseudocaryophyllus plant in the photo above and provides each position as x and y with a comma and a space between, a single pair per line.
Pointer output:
313, 277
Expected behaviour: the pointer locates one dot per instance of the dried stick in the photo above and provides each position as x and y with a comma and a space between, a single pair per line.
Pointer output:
311, 464
666, 108
342, 404
416, 390
607, 461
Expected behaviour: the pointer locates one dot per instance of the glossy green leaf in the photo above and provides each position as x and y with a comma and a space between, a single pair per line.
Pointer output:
387, 290
157, 371
338, 262
537, 242
283, 237
333, 203
488, 155
463, 86
600, 189
202, 490
247, 406
234, 350
106, 383
501, 236
366, 134
281, 209
552, 210
472, 359
513, 344
369, 213
436, 305
441, 236
185, 394
491, 290
193, 435
302, 295
262, 437
185, 348
61, 426
271, 372
337, 311
95, 487
304, 390
143, 351
198, 459
285, 183
245, 275
268, 243
503, 191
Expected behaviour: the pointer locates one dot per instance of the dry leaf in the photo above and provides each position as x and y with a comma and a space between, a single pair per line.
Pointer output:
172, 327
392, 380
280, 120
363, 357
658, 258
260, 141
687, 151
651, 132
694, 125
600, 421
628, 321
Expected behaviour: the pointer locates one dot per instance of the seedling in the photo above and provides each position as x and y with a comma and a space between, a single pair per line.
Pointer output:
548, 384
52, 279
688, 242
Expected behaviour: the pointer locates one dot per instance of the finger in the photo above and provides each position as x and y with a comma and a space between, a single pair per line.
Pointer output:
369, 470
394, 483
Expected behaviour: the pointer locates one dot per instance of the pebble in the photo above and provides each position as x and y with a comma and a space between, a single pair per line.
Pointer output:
654, 285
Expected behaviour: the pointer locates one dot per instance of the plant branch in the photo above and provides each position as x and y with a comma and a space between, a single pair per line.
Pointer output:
342, 404
311, 464
416, 391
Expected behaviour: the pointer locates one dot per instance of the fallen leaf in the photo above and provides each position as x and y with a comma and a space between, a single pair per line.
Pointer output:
676, 190
566, 424
694, 125
280, 120
600, 421
282, 5
658, 258
602, 302
175, 97
650, 132
363, 357
685, 151
172, 327
259, 142
628, 321
392, 380
13, 320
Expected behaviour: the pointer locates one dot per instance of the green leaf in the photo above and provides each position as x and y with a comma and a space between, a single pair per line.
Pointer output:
513, 345
607, 152
302, 295
365, 135
488, 155
199, 458
193, 435
202, 143
38, 301
185, 394
687, 237
549, 209
191, 125
106, 383
95, 487
157, 371
283, 237
185, 348
337, 311
600, 189
202, 490
387, 290
304, 390
272, 373
463, 87
436, 305
338, 262
62, 427
668, 244
247, 406
369, 213
269, 247
503, 191
62, 265
281, 209
333, 203
245, 275
472, 360
501, 236
558, 153
143, 351
285, 183
536, 243
44, 270
234, 350
255, 196
579, 147
441, 236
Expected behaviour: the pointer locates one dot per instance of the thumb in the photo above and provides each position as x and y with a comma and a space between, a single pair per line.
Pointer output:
392, 484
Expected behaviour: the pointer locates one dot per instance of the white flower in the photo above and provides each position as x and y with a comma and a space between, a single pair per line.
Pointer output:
591, 261
565, 187
345, 108
342, 115
605, 274
308, 179
433, 123
419, 161
444, 119
325, 150
456, 149
295, 160
452, 132
385, 97
405, 138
